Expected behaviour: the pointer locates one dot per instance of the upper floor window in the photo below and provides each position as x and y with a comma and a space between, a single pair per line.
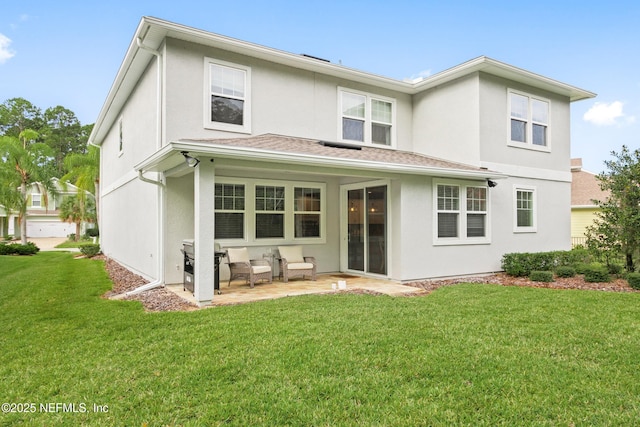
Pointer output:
36, 200
228, 104
529, 120
461, 213
366, 118
120, 138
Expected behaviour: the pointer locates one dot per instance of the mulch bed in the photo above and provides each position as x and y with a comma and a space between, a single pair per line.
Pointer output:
577, 282
160, 299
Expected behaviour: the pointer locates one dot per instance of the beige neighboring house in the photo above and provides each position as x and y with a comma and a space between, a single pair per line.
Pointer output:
42, 218
585, 188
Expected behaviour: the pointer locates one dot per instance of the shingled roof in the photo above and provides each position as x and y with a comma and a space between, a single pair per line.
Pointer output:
271, 143
584, 186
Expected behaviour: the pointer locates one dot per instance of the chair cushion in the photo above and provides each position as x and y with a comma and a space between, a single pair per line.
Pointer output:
238, 254
291, 253
257, 269
300, 266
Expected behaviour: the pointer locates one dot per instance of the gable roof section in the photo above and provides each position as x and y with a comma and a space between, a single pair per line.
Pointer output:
584, 187
311, 152
151, 33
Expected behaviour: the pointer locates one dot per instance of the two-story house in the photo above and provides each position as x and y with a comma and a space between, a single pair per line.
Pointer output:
43, 213
374, 176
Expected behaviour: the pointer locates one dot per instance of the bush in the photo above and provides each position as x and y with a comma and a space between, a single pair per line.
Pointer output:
581, 267
522, 264
565, 271
596, 273
541, 276
634, 280
17, 249
616, 269
90, 250
93, 232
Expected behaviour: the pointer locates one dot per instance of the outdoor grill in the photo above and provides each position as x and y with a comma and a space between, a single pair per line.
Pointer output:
189, 263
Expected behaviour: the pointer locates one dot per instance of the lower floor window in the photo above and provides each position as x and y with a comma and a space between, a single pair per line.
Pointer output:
461, 213
525, 209
259, 210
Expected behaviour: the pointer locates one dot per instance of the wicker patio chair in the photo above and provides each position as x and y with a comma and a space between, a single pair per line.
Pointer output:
293, 264
241, 267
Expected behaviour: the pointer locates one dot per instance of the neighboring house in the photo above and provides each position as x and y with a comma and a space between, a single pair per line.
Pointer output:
585, 188
374, 176
4, 222
43, 212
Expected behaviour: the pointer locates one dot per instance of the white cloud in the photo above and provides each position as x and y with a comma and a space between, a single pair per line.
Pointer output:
5, 52
607, 114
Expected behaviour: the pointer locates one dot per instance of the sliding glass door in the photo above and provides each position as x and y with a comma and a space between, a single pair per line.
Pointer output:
366, 229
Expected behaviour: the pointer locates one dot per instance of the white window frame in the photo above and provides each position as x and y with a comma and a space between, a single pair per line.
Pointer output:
33, 199
246, 120
368, 122
462, 238
243, 211
529, 122
120, 138
289, 212
525, 229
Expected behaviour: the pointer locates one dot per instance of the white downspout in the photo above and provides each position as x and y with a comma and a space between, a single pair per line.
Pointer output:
161, 185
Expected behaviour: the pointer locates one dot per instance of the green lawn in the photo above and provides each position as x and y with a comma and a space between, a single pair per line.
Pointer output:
464, 355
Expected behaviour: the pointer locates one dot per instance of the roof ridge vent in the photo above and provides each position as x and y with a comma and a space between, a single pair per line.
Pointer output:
343, 145
315, 57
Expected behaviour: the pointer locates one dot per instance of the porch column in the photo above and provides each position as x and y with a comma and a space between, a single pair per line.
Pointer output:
204, 190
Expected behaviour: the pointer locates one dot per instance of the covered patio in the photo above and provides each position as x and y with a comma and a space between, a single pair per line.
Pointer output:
346, 205
240, 292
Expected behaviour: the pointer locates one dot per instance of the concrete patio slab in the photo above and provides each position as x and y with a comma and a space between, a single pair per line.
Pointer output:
239, 292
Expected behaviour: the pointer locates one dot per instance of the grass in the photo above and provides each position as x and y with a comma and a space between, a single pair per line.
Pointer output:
74, 244
464, 355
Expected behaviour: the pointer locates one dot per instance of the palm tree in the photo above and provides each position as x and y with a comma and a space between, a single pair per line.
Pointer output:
84, 173
24, 164
73, 211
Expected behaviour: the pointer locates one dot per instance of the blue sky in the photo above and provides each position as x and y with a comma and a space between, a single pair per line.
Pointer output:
68, 52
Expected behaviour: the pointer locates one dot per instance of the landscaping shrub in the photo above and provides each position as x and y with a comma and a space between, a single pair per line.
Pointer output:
596, 273
616, 269
522, 264
634, 280
541, 276
17, 249
93, 232
90, 250
581, 267
565, 271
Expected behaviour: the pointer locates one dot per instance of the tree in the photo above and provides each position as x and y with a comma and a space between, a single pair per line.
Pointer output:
75, 212
616, 228
58, 127
24, 163
84, 173
64, 133
18, 115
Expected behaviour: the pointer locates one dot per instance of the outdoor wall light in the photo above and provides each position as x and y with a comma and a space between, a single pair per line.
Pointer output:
491, 183
192, 162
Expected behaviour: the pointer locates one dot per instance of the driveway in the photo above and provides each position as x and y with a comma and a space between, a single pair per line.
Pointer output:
50, 243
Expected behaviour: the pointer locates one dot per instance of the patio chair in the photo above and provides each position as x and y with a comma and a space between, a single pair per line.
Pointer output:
293, 264
241, 267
